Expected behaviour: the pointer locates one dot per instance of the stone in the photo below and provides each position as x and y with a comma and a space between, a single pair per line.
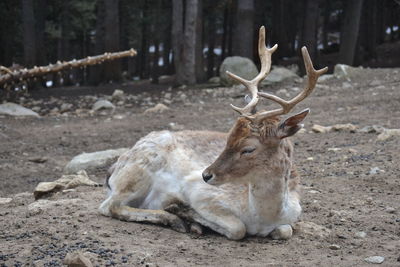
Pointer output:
279, 74
176, 126
5, 200
118, 95
102, 104
342, 71
320, 129
344, 127
325, 78
38, 159
196, 228
159, 108
390, 210
66, 107
388, 133
89, 161
282, 232
375, 170
372, 129
334, 247
12, 109
215, 80
240, 66
77, 259
311, 229
375, 259
360, 235
65, 182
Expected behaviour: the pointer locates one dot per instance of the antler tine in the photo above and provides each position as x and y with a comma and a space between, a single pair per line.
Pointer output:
252, 86
287, 106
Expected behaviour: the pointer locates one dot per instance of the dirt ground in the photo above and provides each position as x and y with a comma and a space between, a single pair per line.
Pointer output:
340, 192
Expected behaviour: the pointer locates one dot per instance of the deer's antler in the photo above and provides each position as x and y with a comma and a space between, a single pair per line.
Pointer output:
287, 106
252, 86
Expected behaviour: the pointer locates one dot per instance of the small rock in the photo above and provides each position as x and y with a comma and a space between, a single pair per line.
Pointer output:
344, 127
311, 229
334, 247
159, 108
168, 96
353, 151
388, 133
77, 259
215, 80
360, 234
310, 158
390, 210
196, 228
16, 110
65, 182
372, 129
320, 129
102, 104
346, 85
282, 232
66, 107
313, 192
176, 126
301, 131
375, 170
38, 159
334, 149
375, 259
5, 200
325, 78
118, 95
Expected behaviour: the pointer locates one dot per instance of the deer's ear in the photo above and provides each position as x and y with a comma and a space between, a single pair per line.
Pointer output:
292, 124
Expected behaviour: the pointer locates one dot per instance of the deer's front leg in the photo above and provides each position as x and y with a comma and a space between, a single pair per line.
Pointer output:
115, 208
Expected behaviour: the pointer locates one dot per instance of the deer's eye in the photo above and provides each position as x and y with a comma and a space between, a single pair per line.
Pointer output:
247, 150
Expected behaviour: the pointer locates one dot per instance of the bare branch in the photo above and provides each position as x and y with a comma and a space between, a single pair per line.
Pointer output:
23, 74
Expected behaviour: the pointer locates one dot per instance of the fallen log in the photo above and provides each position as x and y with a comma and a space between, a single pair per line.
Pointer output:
23, 74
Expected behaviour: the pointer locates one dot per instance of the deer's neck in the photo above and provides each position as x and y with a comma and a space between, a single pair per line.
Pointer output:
268, 191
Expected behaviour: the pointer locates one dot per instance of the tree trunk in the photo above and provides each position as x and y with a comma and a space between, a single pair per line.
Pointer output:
28, 21
309, 32
112, 70
211, 46
96, 72
244, 30
177, 34
199, 59
40, 15
144, 47
350, 31
187, 43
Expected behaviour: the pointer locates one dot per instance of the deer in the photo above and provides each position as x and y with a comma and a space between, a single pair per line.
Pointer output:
239, 183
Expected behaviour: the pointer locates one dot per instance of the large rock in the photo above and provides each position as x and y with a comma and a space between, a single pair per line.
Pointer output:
279, 74
13, 109
90, 161
342, 71
240, 66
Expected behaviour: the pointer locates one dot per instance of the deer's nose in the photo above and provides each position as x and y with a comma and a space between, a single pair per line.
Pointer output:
207, 176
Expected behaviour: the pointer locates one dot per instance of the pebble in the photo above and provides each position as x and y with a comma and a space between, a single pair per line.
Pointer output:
5, 200
375, 259
390, 210
334, 247
375, 170
360, 234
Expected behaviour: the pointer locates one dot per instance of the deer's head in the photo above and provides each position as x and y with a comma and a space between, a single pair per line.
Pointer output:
257, 142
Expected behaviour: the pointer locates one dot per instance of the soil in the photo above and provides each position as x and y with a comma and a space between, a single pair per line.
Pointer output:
340, 192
